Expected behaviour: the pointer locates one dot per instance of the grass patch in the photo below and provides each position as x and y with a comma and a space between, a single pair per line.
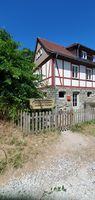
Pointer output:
21, 150
87, 128
18, 142
15, 159
3, 165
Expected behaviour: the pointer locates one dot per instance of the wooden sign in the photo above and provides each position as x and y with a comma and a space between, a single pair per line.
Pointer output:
42, 103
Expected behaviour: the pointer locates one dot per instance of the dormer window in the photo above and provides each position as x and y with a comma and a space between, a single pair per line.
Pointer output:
93, 58
84, 55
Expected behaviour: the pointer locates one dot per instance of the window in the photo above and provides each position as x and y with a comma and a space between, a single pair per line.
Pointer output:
83, 55
89, 94
74, 71
93, 58
75, 95
88, 74
62, 94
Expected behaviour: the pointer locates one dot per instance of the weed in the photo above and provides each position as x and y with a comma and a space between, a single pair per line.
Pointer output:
21, 143
16, 160
15, 141
55, 189
3, 164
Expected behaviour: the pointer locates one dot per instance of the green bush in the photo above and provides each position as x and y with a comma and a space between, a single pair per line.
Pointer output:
17, 79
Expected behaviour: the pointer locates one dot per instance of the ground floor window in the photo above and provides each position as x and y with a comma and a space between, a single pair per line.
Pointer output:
61, 94
89, 94
75, 99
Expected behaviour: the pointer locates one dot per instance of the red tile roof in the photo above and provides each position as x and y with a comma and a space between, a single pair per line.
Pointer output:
55, 48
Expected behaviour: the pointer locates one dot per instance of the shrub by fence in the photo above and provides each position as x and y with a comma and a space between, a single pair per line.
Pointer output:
36, 122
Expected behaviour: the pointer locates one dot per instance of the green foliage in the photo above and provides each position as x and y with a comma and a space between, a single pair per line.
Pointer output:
18, 143
16, 159
3, 165
17, 80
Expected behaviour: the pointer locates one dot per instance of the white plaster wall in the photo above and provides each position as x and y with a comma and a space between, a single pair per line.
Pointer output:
60, 67
46, 69
49, 68
93, 84
75, 83
89, 84
82, 72
67, 82
57, 81
82, 83
67, 72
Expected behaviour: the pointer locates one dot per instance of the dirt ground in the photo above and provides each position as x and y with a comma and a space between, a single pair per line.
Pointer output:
43, 148
58, 150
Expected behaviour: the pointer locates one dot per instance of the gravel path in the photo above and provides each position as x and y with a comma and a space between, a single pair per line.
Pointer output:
72, 166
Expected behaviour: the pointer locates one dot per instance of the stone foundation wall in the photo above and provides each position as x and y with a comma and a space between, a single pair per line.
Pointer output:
63, 103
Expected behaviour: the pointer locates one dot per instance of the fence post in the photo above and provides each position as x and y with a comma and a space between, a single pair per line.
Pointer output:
71, 117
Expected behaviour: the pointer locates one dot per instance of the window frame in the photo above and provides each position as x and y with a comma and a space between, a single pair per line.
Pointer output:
88, 76
89, 94
75, 99
61, 92
83, 55
75, 72
93, 58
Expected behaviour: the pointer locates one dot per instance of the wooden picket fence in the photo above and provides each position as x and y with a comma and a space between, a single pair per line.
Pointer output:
36, 122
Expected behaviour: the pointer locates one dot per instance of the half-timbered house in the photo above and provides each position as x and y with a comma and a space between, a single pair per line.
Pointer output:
68, 73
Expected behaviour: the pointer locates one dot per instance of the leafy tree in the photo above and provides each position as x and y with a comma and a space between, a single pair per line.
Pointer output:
17, 81
28, 54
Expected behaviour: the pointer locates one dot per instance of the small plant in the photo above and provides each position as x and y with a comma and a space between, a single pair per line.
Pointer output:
77, 128
17, 142
13, 141
15, 159
55, 189
21, 143
3, 164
